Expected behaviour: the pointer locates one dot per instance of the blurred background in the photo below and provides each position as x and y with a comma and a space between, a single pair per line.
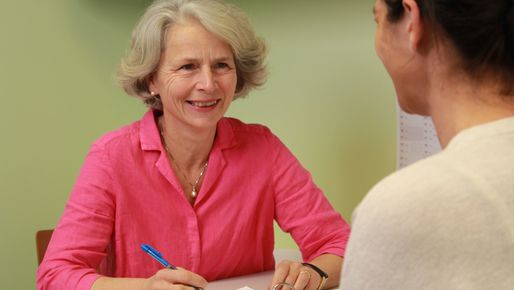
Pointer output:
327, 97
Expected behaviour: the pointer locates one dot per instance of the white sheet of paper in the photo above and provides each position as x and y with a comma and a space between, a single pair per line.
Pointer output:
417, 138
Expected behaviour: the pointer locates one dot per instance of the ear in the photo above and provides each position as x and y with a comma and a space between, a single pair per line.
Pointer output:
414, 23
150, 83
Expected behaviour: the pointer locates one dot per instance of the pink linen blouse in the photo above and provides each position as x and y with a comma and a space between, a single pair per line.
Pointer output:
127, 195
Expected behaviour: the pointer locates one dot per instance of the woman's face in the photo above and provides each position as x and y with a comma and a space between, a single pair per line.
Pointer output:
383, 39
196, 78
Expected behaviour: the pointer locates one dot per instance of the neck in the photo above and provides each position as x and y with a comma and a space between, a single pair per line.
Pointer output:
459, 104
190, 148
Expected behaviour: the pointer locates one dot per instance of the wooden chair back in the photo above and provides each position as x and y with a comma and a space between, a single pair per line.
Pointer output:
42, 240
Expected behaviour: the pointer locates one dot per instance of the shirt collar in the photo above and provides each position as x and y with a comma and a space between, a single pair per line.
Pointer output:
483, 131
225, 137
149, 132
151, 139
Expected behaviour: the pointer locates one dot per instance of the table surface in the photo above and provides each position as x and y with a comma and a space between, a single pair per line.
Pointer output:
257, 281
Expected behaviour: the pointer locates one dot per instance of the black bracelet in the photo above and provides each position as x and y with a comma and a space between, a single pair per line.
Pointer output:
322, 274
318, 270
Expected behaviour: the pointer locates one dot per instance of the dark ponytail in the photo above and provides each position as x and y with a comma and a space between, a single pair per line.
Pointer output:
481, 30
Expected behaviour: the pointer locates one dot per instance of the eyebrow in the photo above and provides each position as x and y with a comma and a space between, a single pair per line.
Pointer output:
193, 59
222, 59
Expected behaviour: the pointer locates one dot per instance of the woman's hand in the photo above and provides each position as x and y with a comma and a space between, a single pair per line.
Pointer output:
165, 279
306, 278
180, 279
296, 274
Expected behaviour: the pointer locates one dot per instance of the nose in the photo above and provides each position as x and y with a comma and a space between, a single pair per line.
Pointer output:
206, 81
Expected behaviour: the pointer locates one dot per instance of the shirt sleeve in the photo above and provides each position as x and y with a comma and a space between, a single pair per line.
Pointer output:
80, 240
302, 210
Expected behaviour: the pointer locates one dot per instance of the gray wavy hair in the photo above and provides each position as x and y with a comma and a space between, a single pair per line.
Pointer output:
149, 41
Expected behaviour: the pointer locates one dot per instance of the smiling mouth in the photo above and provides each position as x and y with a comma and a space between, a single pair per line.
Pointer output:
203, 104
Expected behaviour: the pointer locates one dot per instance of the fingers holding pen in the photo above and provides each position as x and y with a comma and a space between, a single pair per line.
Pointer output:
190, 278
167, 279
185, 287
183, 276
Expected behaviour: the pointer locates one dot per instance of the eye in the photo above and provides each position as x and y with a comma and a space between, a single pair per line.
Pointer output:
222, 66
188, 66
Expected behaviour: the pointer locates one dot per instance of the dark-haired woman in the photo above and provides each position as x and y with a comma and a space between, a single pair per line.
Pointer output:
446, 222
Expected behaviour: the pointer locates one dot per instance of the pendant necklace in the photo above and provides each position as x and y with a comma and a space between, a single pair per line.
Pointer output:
194, 185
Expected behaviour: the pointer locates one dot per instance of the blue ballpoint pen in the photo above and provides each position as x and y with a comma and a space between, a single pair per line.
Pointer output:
157, 256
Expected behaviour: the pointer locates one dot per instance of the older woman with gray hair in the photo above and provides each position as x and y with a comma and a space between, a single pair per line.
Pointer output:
201, 188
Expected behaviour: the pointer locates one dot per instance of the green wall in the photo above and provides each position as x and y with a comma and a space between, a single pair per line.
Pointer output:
328, 98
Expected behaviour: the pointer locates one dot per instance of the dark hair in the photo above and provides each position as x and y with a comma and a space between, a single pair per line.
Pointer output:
481, 30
